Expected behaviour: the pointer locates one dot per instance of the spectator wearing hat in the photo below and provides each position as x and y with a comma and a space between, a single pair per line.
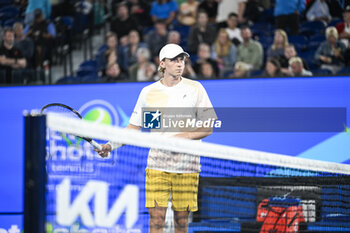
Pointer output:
331, 52
287, 14
297, 69
344, 33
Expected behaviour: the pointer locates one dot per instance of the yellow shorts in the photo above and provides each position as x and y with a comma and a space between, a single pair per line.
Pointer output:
182, 186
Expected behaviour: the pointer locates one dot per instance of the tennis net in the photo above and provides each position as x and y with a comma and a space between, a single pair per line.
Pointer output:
240, 190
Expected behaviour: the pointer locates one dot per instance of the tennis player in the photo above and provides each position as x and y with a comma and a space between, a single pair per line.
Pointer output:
169, 174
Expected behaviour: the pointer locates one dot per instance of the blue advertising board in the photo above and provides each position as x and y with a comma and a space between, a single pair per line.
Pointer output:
116, 102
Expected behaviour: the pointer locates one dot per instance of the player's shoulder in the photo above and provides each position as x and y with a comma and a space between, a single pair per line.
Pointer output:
150, 87
192, 83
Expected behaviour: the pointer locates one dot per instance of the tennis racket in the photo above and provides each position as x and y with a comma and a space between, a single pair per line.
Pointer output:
68, 112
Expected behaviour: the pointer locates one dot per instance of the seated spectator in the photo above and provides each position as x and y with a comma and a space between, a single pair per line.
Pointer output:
211, 8
130, 50
280, 42
110, 53
189, 71
11, 57
123, 23
250, 51
225, 7
297, 69
43, 5
157, 38
318, 10
224, 52
252, 11
114, 73
187, 14
272, 68
204, 56
233, 31
289, 52
164, 10
174, 37
206, 71
140, 70
241, 70
42, 33
287, 13
344, 33
24, 44
331, 52
202, 32
140, 11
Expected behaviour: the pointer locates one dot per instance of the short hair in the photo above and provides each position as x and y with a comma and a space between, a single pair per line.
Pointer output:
144, 51
16, 25
232, 14
275, 62
241, 66
8, 29
111, 34
332, 31
295, 59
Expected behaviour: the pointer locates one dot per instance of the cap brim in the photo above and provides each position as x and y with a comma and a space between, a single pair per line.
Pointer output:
183, 53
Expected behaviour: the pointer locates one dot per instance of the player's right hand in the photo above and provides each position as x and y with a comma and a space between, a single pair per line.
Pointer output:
106, 149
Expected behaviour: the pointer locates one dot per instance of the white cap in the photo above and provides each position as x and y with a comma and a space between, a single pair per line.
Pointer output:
170, 51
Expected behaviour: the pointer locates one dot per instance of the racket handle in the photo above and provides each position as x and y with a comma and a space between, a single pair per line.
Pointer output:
96, 145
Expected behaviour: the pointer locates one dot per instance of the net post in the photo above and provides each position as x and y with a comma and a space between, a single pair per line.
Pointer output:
35, 174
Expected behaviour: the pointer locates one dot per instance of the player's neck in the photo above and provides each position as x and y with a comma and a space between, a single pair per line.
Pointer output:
170, 81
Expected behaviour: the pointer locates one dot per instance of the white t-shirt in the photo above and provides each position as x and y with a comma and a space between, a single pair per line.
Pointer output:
187, 93
236, 33
226, 7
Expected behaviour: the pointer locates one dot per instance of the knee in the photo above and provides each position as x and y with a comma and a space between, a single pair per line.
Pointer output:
181, 222
157, 221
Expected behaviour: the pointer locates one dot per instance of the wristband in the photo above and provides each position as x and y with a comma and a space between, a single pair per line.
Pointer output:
114, 145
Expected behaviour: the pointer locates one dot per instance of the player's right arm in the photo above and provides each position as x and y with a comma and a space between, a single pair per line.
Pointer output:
108, 147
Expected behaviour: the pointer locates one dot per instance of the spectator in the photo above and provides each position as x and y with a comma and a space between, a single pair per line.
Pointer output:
187, 14
157, 38
252, 11
24, 44
241, 70
43, 5
204, 56
42, 32
289, 52
297, 69
123, 23
331, 52
201, 33
272, 68
227, 6
130, 50
344, 33
174, 37
189, 71
318, 11
11, 58
140, 11
140, 70
224, 52
287, 14
250, 51
114, 73
280, 42
233, 31
211, 8
164, 10
206, 71
109, 53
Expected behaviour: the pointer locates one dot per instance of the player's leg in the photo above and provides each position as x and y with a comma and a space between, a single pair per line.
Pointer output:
181, 221
158, 188
184, 198
157, 219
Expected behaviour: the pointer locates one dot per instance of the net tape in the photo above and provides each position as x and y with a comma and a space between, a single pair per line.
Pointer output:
141, 139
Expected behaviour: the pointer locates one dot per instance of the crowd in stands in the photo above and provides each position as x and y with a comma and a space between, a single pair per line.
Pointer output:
225, 38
